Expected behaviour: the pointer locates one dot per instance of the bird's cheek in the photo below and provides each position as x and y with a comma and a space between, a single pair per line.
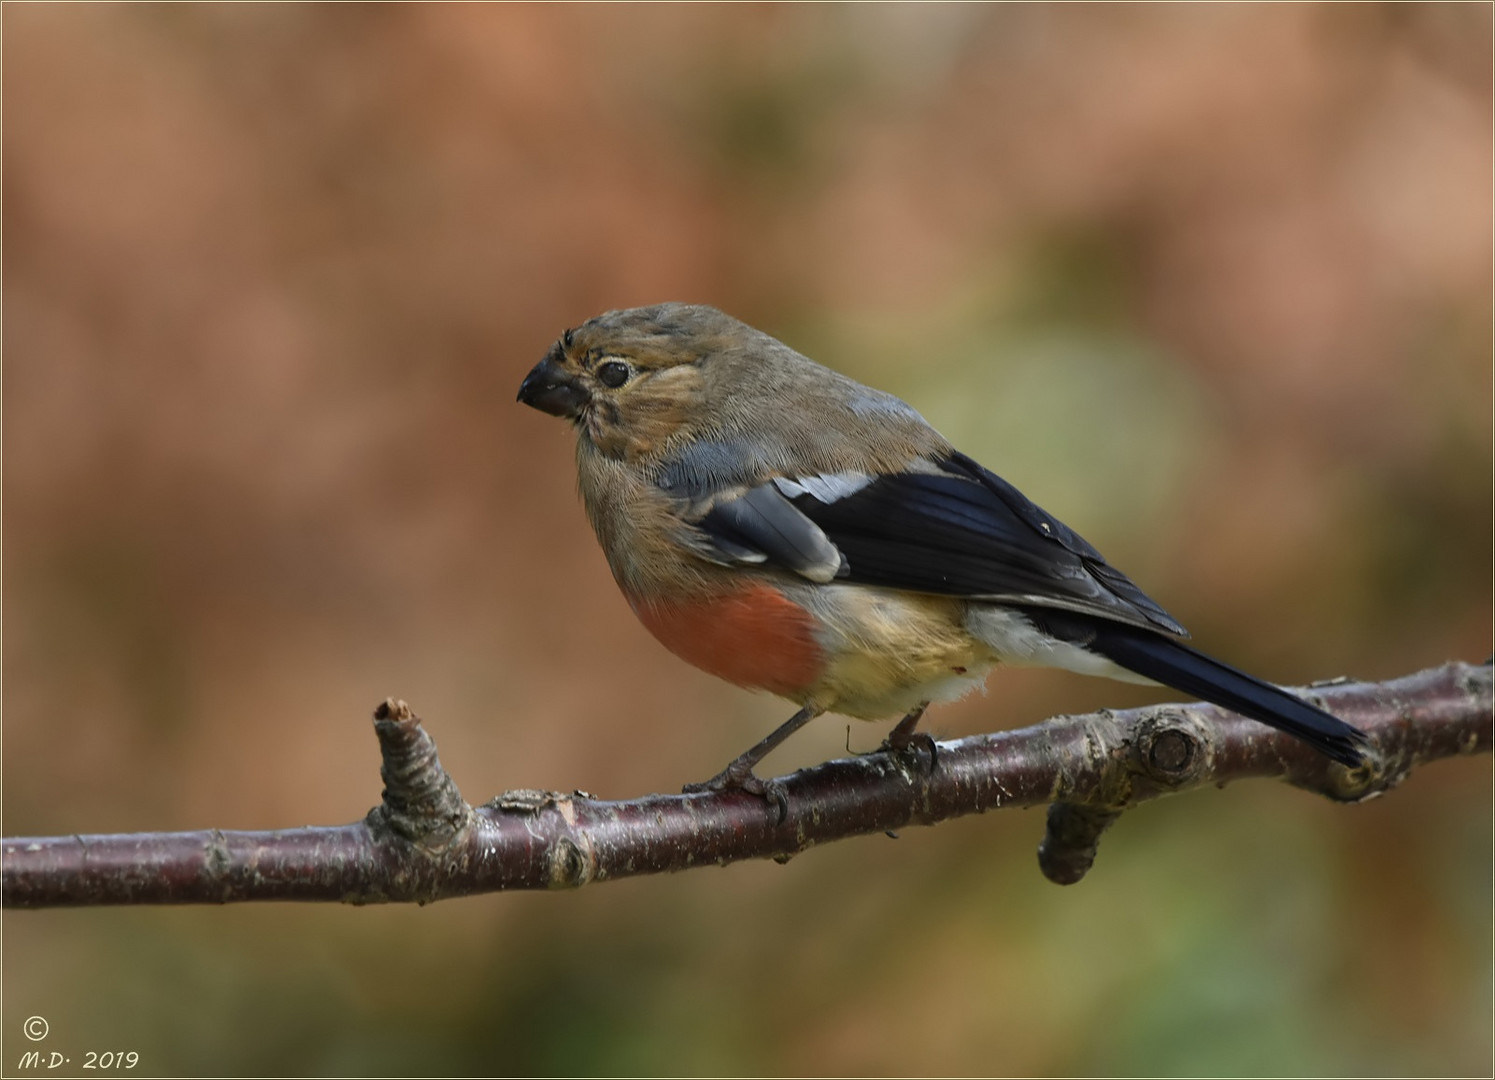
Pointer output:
631, 430
603, 424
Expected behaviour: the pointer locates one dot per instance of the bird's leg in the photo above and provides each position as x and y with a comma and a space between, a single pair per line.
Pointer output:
904, 737
739, 773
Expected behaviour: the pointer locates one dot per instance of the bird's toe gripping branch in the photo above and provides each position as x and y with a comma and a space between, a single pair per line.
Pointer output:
740, 777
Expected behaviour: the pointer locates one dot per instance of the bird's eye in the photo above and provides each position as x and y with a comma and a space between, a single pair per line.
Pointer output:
614, 373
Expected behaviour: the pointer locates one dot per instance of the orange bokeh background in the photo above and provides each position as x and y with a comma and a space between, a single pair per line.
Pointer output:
1211, 283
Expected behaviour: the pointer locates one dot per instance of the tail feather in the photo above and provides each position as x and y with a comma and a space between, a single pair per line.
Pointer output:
1175, 664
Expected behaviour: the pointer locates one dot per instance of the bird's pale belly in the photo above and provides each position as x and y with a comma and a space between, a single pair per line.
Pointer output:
889, 651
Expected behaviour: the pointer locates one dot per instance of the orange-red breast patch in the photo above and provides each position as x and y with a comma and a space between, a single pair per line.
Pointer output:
754, 637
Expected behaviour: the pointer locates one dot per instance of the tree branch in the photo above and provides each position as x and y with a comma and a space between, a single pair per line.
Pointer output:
423, 843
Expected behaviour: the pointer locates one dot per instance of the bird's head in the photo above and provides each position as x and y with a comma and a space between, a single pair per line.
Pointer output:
645, 384
632, 380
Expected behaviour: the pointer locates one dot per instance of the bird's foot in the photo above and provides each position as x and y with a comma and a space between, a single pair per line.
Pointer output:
906, 736
740, 777
919, 743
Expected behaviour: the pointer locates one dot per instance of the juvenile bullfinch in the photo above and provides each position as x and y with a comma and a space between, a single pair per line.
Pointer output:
786, 528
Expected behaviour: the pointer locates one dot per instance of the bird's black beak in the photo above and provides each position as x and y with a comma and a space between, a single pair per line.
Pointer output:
550, 389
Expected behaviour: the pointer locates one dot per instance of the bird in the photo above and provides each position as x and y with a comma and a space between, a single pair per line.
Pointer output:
784, 527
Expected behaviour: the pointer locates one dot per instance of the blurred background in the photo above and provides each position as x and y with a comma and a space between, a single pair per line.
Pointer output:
1211, 283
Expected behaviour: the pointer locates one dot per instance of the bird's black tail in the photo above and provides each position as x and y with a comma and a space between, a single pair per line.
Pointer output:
1174, 664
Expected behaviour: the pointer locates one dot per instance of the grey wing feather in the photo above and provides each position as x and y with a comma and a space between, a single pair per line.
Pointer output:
761, 524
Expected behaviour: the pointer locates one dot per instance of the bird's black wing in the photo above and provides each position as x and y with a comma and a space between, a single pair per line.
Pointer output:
964, 531
961, 530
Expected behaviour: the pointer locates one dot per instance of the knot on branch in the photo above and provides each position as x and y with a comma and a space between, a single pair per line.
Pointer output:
571, 858
1172, 748
1165, 750
1377, 776
1388, 760
421, 802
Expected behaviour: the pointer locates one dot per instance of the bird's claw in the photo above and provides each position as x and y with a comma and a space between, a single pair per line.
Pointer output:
737, 779
914, 740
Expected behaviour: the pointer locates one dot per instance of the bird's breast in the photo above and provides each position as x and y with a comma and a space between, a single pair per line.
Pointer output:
753, 636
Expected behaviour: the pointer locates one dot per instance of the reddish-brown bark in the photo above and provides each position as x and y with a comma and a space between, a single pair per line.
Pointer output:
423, 842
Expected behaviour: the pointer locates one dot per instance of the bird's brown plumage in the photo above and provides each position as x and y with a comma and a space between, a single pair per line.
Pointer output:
785, 527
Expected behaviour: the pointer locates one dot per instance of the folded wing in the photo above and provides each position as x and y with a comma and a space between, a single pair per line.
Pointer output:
951, 528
